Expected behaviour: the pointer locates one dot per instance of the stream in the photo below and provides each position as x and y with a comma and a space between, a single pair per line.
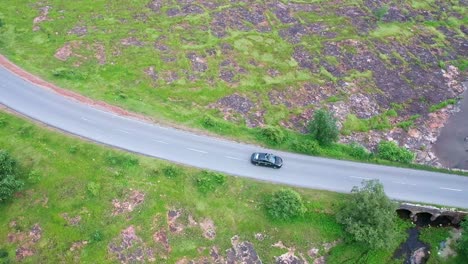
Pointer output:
407, 249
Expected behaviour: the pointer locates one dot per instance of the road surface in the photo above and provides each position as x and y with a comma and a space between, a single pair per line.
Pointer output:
226, 156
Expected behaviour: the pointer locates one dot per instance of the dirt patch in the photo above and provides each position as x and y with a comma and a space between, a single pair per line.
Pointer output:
289, 258
133, 199
129, 248
43, 13
132, 41
77, 246
79, 31
65, 52
161, 237
151, 72
208, 228
26, 240
173, 224
72, 221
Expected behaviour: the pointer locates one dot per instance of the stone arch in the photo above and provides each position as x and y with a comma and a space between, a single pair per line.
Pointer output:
422, 218
404, 213
443, 220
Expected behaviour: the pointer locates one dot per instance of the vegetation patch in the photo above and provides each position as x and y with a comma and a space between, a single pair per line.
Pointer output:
82, 212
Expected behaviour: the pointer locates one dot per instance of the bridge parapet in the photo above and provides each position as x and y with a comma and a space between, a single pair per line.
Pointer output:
455, 216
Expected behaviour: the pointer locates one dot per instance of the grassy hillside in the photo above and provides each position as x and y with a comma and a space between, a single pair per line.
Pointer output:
378, 65
90, 204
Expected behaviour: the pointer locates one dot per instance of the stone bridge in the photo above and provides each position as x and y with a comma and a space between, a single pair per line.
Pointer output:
418, 213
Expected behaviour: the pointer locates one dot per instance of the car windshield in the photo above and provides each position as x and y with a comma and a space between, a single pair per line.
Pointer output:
270, 158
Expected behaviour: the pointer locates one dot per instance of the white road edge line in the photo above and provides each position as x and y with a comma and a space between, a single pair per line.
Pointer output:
160, 141
84, 118
450, 189
404, 183
362, 178
123, 131
234, 158
197, 150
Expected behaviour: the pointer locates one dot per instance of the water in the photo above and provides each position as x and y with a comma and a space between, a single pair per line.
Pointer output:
451, 146
413, 243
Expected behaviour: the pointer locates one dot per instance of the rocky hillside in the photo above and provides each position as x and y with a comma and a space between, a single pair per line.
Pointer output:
388, 69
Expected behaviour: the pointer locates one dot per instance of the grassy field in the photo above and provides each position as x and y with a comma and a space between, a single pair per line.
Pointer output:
249, 63
74, 189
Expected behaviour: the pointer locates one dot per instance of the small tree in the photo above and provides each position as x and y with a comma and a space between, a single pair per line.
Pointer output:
8, 182
323, 127
285, 204
463, 242
369, 215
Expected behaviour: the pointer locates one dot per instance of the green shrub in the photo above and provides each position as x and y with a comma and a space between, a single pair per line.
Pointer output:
285, 204
323, 127
405, 125
73, 149
369, 215
208, 121
357, 151
3, 253
3, 122
96, 236
122, 160
171, 171
208, 181
93, 189
391, 113
463, 242
390, 151
379, 13
68, 74
9, 184
273, 135
306, 147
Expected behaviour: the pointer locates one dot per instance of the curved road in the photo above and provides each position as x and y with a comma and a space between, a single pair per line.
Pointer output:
171, 144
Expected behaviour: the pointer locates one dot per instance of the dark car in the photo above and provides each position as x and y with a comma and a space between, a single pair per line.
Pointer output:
266, 159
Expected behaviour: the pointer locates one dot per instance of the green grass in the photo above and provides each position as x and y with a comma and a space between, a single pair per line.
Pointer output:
67, 175
122, 81
442, 104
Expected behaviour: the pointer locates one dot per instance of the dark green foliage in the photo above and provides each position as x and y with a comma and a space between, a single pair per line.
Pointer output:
208, 121
358, 152
171, 171
285, 204
122, 160
369, 215
8, 181
463, 242
323, 127
388, 150
306, 147
273, 134
96, 236
379, 13
3, 253
208, 181
68, 74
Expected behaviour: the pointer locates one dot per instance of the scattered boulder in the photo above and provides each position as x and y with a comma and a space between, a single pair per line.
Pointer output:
242, 252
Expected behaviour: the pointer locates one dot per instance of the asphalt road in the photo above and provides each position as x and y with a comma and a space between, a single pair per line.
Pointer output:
222, 155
